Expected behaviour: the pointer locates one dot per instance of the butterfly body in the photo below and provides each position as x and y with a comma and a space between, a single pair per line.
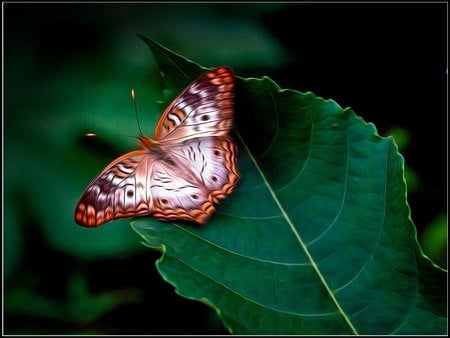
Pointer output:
188, 165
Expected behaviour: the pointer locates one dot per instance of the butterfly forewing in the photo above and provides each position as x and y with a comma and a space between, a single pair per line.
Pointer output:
120, 190
190, 164
204, 108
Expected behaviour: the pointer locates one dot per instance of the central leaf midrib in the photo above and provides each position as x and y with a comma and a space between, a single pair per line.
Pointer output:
297, 235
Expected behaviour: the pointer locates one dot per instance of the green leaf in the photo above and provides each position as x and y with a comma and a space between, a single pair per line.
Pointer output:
317, 238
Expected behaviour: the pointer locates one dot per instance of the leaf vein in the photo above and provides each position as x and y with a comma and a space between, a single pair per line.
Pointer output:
378, 239
277, 129
300, 172
344, 195
237, 253
252, 300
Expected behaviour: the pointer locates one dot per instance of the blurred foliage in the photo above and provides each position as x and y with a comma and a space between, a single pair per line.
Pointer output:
402, 139
434, 240
80, 306
434, 237
69, 69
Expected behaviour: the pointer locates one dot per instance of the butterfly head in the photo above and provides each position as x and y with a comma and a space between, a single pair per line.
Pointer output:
146, 142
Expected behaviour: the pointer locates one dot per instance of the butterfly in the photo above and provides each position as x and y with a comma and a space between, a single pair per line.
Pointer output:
180, 173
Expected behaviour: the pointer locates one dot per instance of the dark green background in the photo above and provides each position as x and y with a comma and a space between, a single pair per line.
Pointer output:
68, 70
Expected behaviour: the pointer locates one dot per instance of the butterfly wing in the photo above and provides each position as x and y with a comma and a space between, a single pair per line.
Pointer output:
120, 190
204, 108
212, 160
197, 173
190, 164
177, 194
193, 131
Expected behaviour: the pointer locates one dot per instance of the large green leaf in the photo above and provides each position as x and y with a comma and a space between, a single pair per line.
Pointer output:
317, 238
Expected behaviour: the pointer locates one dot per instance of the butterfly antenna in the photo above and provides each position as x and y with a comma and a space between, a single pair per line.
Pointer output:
133, 96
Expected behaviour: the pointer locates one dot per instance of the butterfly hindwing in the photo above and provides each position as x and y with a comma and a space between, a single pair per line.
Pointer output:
213, 161
197, 173
177, 193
